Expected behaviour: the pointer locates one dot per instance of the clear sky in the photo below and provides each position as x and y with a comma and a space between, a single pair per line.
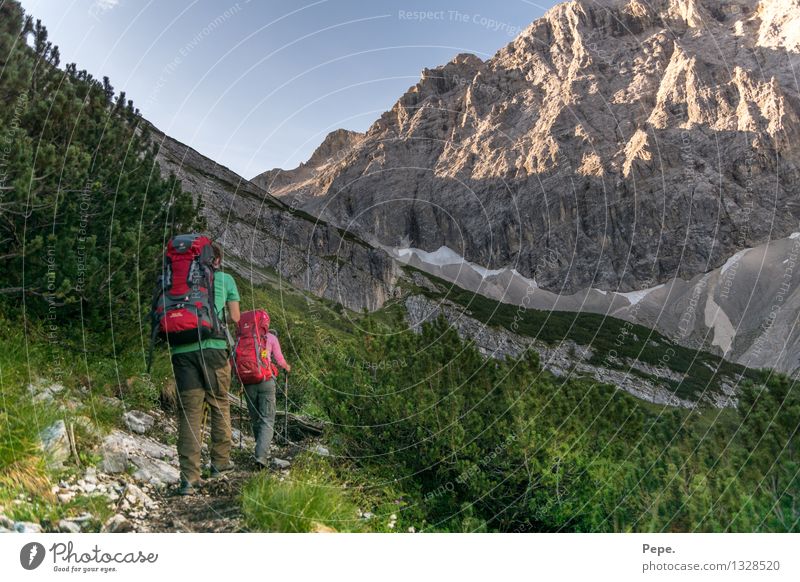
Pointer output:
257, 84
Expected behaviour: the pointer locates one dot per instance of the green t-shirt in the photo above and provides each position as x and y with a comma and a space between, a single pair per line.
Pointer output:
224, 290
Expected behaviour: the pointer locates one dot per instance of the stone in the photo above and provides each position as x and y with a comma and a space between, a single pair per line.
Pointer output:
65, 498
280, 463
44, 391
317, 527
27, 527
138, 422
119, 449
90, 476
55, 443
6, 522
68, 526
154, 471
117, 524
136, 496
320, 450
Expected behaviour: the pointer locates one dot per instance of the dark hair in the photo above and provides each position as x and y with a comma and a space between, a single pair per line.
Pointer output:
217, 251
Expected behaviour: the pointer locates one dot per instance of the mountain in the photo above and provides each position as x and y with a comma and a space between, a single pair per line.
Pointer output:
266, 239
613, 147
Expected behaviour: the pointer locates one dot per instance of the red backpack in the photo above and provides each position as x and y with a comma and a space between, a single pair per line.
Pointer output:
183, 309
250, 359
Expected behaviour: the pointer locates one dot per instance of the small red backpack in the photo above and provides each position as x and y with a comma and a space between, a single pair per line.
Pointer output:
250, 359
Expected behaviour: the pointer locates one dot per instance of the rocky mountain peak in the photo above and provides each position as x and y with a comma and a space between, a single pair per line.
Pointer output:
636, 141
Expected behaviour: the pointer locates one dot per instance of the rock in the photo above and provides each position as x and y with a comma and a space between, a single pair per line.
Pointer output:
135, 496
27, 527
90, 476
6, 522
44, 391
280, 463
320, 450
117, 524
119, 449
55, 443
68, 526
112, 401
88, 426
5, 530
341, 268
317, 527
137, 421
154, 471
65, 498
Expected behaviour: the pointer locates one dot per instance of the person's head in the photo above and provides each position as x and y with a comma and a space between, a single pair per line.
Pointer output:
217, 263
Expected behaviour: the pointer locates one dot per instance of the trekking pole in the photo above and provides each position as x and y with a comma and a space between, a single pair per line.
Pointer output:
286, 408
241, 421
204, 424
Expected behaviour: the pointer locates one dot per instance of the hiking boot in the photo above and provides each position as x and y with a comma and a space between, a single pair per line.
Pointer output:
217, 472
262, 464
187, 488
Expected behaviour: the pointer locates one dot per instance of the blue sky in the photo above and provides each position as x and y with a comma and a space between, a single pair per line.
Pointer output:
256, 84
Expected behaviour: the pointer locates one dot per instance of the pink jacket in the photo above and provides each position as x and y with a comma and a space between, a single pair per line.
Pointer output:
274, 349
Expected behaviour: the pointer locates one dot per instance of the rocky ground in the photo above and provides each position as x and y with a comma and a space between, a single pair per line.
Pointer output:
134, 484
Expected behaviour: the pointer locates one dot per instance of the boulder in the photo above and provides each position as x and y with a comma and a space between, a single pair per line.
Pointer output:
119, 449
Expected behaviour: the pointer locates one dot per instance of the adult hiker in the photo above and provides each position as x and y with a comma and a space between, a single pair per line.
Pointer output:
256, 347
196, 331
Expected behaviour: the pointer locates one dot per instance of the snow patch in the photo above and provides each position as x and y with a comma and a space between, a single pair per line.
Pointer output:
635, 297
445, 256
733, 260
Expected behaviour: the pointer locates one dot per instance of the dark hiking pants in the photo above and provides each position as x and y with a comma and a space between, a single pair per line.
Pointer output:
261, 404
202, 376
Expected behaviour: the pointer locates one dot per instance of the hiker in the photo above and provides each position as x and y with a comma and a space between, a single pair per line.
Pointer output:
184, 315
256, 347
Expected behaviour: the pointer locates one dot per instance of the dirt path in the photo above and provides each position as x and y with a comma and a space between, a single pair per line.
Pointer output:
217, 507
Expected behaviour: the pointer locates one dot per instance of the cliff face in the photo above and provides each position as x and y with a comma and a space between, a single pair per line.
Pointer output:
614, 144
265, 238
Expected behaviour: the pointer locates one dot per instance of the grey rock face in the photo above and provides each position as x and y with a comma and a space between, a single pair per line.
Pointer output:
266, 239
613, 144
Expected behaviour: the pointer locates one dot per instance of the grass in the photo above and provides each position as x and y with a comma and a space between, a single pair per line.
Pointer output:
306, 501
29, 358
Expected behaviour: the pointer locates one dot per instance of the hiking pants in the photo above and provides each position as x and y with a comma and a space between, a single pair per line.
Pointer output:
202, 376
261, 404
